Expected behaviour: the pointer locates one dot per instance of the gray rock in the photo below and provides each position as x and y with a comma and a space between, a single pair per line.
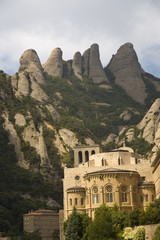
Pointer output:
20, 84
85, 62
25, 84
127, 71
29, 62
77, 65
14, 139
20, 119
96, 71
54, 64
150, 124
36, 140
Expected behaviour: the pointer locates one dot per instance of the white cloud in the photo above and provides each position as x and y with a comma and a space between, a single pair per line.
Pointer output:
74, 25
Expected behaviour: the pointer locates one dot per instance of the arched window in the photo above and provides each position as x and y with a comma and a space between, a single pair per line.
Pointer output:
102, 161
71, 201
146, 197
136, 161
95, 195
124, 193
109, 194
80, 156
92, 152
86, 156
76, 201
119, 161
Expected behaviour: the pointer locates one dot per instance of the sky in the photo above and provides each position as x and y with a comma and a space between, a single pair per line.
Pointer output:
74, 25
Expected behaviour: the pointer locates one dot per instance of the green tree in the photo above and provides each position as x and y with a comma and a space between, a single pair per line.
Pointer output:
128, 233
139, 234
134, 217
102, 226
120, 220
156, 235
73, 226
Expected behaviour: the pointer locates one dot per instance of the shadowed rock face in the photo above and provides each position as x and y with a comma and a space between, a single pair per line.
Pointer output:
96, 71
85, 63
54, 64
92, 66
77, 65
127, 71
29, 62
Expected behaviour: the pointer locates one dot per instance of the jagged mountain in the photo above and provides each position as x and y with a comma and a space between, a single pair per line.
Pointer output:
148, 129
45, 110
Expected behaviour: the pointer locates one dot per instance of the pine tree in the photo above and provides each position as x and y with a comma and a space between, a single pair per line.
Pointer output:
74, 229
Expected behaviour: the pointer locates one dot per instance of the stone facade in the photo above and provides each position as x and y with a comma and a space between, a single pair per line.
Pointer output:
46, 221
118, 176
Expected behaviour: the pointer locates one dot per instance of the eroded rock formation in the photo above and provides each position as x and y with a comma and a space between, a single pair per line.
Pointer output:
54, 64
29, 62
77, 65
127, 71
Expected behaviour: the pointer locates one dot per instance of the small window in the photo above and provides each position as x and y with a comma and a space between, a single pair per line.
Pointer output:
141, 198
143, 179
81, 201
102, 161
124, 193
80, 156
92, 152
119, 161
95, 195
77, 177
146, 197
124, 197
76, 201
136, 161
71, 201
95, 198
109, 195
86, 156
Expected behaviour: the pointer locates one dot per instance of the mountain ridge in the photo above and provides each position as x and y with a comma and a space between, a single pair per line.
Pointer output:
47, 109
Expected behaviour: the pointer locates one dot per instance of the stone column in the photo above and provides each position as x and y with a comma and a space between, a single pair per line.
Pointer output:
89, 200
131, 196
101, 195
117, 197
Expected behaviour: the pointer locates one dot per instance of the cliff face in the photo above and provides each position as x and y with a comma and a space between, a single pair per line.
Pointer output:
127, 71
150, 125
54, 64
48, 109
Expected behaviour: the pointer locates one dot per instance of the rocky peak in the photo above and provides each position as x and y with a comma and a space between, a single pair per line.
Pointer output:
96, 71
29, 62
77, 65
92, 66
127, 71
54, 64
85, 62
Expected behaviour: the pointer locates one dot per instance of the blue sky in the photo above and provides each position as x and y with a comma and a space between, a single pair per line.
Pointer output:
74, 25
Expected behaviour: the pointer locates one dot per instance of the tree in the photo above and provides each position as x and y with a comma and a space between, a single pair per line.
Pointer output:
120, 220
139, 234
128, 233
156, 233
73, 227
102, 226
134, 217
